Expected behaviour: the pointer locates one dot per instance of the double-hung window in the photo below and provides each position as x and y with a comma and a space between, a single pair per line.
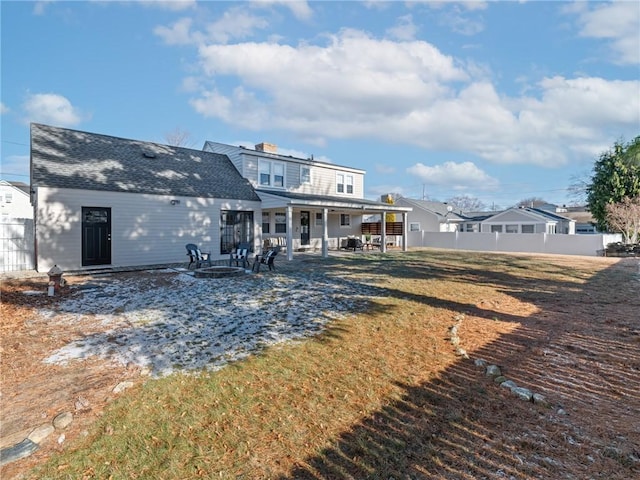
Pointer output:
345, 220
344, 183
266, 222
281, 222
270, 173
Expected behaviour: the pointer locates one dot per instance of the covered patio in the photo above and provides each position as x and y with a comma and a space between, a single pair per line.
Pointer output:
310, 222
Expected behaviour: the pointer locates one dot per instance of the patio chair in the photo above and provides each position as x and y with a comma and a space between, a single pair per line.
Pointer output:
266, 259
354, 243
196, 256
240, 255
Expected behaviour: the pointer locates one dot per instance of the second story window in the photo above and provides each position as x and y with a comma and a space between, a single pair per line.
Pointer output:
344, 183
305, 174
270, 174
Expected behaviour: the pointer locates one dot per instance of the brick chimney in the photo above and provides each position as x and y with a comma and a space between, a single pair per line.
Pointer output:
267, 147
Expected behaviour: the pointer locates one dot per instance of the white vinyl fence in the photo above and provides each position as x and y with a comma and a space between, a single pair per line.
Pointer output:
16, 244
590, 245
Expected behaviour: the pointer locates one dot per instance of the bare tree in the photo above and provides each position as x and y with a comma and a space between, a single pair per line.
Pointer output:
531, 202
578, 188
179, 138
624, 217
466, 203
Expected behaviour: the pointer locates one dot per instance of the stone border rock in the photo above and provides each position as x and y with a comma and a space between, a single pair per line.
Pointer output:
36, 436
494, 371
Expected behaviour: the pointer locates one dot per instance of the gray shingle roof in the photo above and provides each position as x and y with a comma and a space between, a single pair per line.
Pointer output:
64, 158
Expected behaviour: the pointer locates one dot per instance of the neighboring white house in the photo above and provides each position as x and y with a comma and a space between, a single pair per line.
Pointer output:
523, 220
430, 216
14, 200
313, 204
16, 227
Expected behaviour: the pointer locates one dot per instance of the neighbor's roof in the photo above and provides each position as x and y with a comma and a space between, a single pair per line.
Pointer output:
439, 208
23, 187
64, 158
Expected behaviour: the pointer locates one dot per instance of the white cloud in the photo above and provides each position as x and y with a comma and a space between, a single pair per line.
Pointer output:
460, 17
617, 22
51, 108
404, 29
179, 33
336, 90
40, 6
235, 23
408, 92
3, 109
300, 8
173, 5
457, 176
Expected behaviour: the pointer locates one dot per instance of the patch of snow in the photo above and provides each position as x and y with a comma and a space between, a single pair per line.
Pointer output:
191, 324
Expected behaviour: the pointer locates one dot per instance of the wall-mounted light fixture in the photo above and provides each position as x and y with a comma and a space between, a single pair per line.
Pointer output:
175, 202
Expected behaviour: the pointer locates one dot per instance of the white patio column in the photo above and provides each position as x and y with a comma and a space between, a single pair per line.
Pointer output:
289, 232
325, 232
405, 233
383, 234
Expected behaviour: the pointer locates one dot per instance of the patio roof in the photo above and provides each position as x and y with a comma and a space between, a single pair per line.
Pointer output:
303, 200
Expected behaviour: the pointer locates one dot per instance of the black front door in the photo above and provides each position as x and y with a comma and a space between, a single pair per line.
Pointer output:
96, 236
304, 228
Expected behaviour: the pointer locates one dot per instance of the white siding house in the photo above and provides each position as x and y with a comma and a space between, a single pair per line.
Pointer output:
306, 204
528, 220
104, 201
15, 200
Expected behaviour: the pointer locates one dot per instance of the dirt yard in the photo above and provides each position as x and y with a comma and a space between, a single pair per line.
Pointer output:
589, 356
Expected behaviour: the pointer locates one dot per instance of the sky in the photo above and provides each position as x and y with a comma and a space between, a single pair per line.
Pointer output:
497, 101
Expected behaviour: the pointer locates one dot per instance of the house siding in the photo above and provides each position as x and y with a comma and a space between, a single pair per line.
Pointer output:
230, 151
145, 229
20, 204
323, 178
428, 221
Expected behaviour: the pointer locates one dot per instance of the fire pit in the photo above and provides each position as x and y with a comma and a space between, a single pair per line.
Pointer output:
218, 272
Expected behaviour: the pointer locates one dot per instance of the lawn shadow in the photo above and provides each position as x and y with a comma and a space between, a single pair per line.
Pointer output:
462, 425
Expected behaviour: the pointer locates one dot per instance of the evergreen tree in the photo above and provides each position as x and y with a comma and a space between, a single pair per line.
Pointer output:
616, 175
